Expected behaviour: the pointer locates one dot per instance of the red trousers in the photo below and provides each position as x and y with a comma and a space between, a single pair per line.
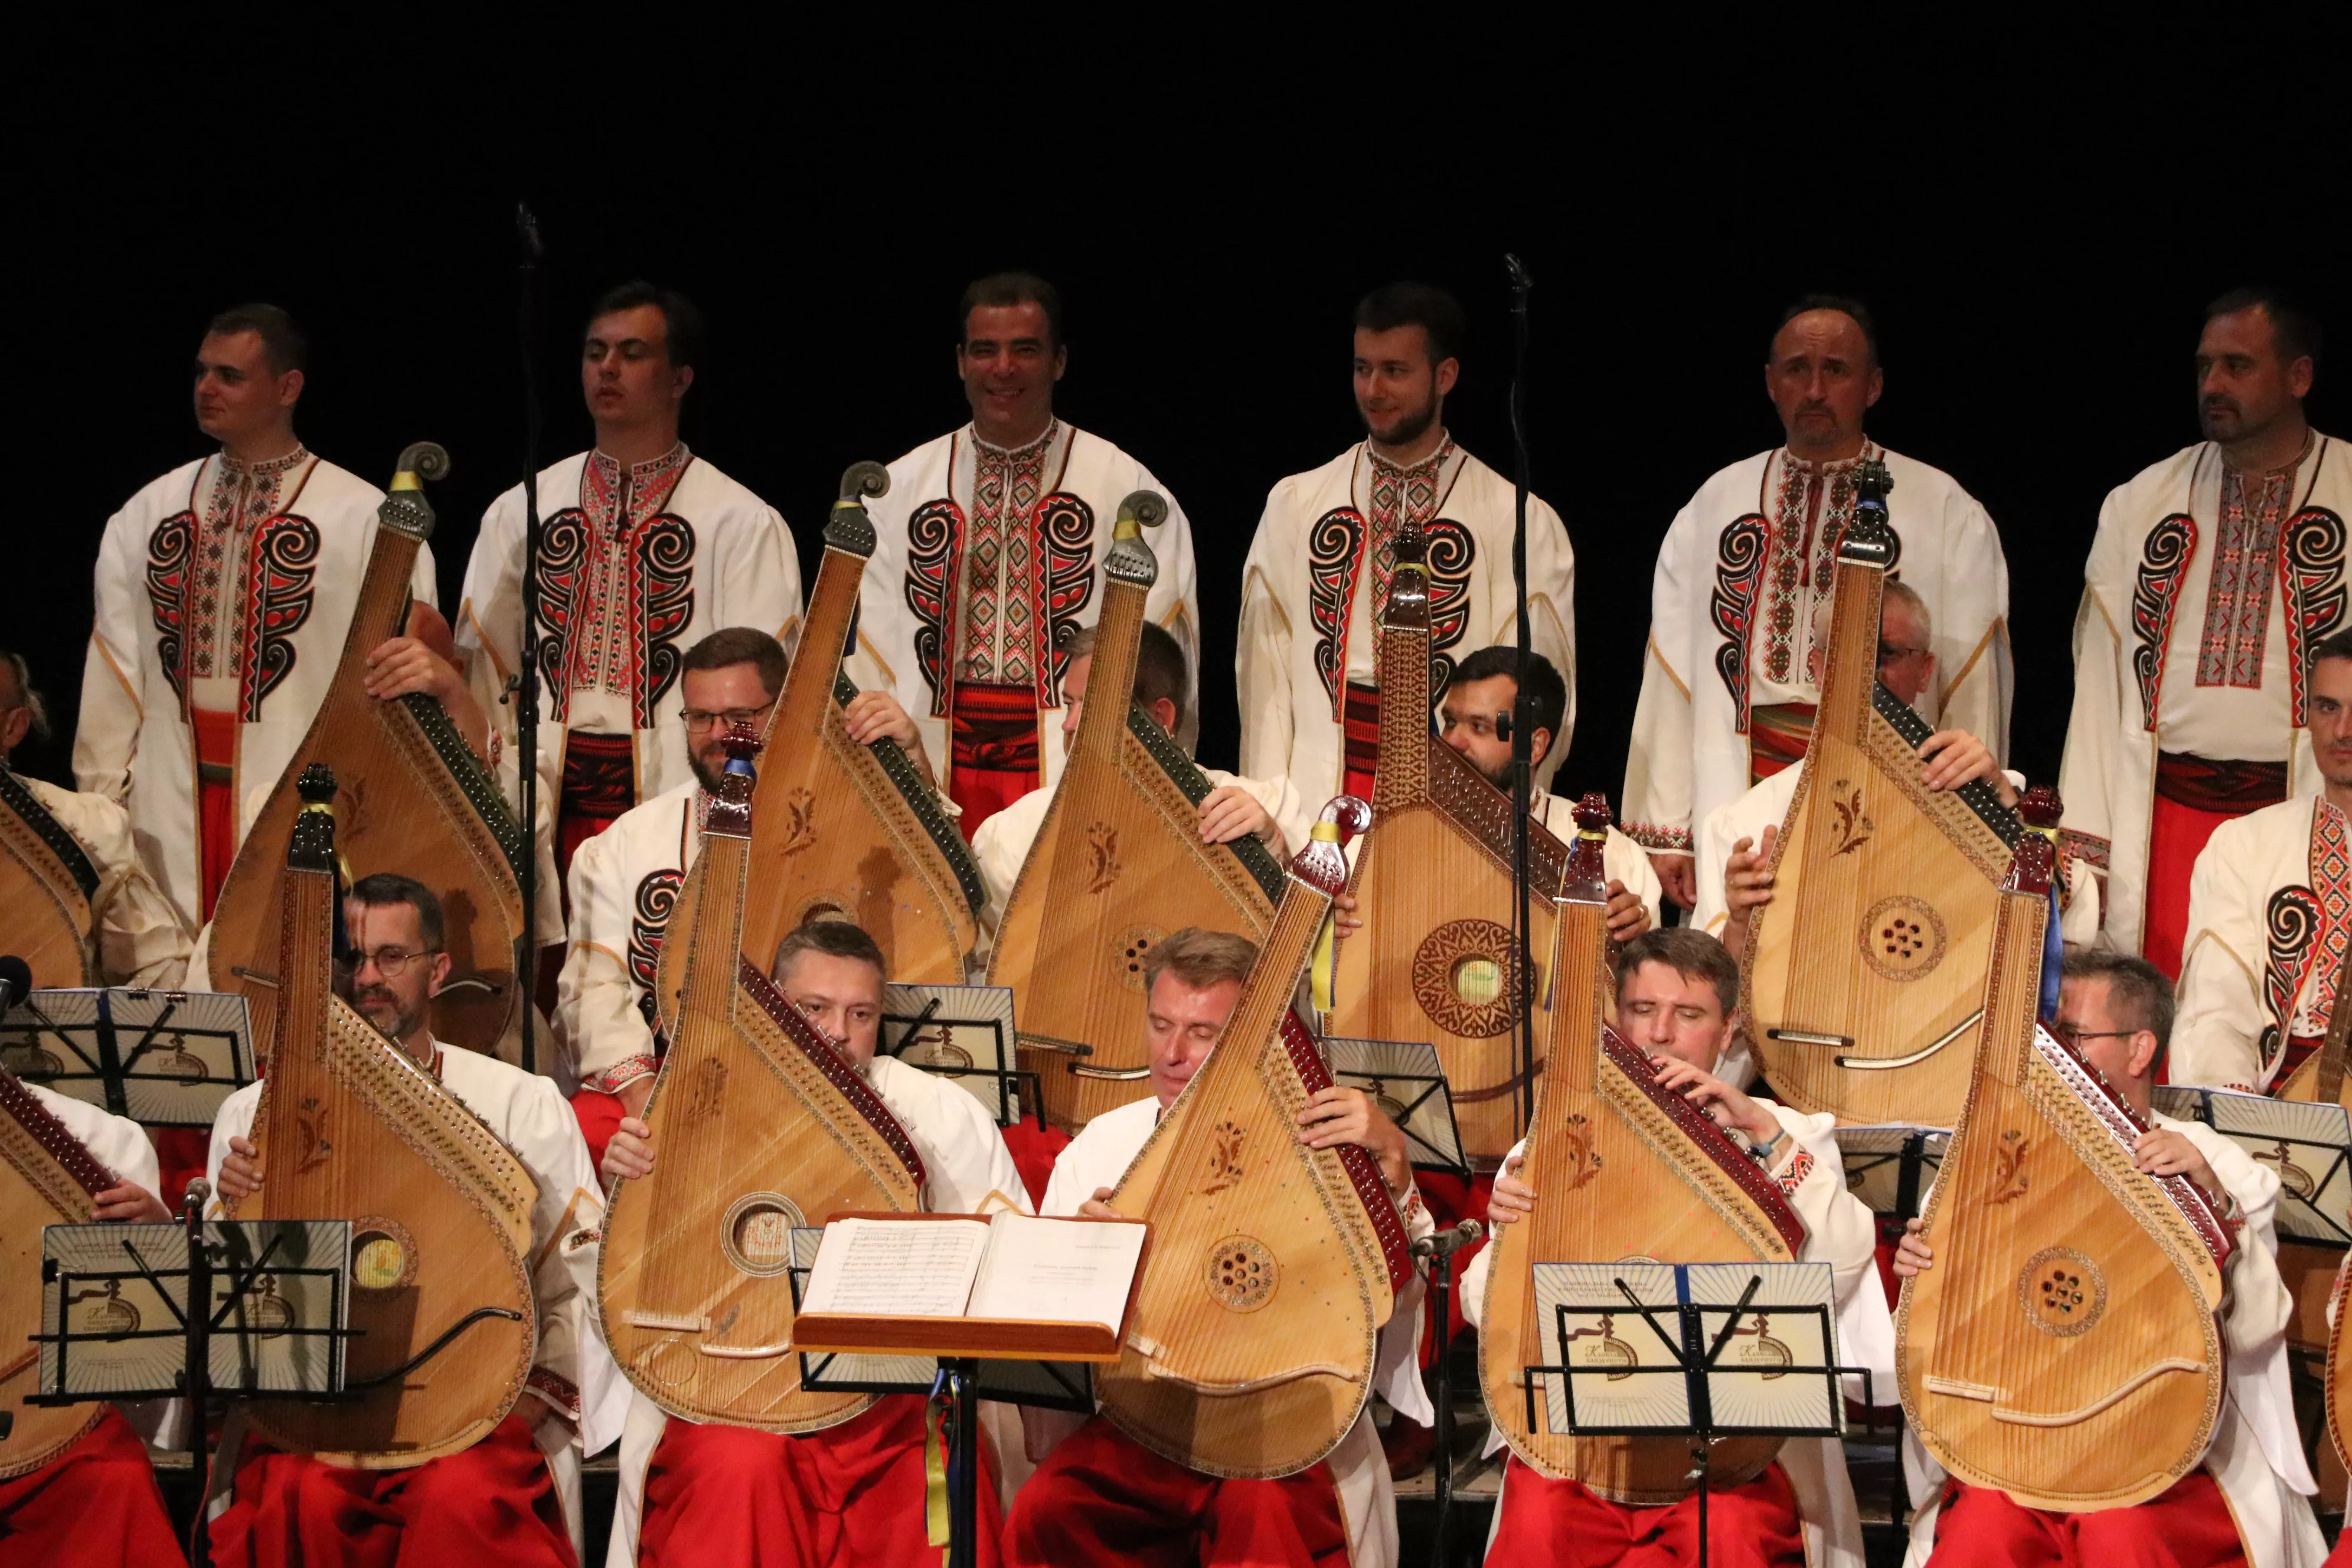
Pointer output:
216, 737
2187, 1527
2175, 836
95, 1505
849, 1496
1100, 1498
1562, 1523
495, 1503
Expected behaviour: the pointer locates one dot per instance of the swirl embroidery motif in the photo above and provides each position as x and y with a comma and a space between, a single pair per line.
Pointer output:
657, 898
661, 602
2311, 582
1451, 551
2155, 594
2307, 931
1335, 553
279, 598
934, 546
1739, 568
170, 548
1065, 586
563, 582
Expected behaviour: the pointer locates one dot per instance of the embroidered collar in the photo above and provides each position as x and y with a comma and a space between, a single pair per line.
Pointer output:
1428, 464
1018, 453
269, 469
640, 474
1844, 465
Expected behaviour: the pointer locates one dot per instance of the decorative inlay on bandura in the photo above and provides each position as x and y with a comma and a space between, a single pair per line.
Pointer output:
1902, 938
1242, 1274
1129, 948
2009, 1159
2062, 1291
1465, 977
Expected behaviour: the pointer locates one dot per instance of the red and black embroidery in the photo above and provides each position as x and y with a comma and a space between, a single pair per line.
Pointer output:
562, 584
2311, 581
2156, 595
1738, 568
1335, 553
1065, 586
1452, 552
934, 551
171, 549
1799, 1167
656, 899
2307, 931
278, 597
661, 604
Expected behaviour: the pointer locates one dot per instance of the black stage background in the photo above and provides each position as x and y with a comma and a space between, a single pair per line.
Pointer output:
2038, 312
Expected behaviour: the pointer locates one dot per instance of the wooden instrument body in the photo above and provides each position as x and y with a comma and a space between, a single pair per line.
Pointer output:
760, 1127
1880, 926
1273, 1265
1433, 886
2339, 1367
46, 1178
2321, 1080
412, 798
1118, 864
841, 829
1626, 1170
2064, 1346
46, 886
349, 1128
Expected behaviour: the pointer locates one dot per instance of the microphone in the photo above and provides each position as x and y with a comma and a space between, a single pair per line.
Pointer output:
16, 980
1446, 1242
199, 1193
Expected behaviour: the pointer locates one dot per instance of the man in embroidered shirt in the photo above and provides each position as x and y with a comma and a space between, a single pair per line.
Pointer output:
1100, 1497
646, 550
985, 564
514, 1497
2270, 915
1678, 995
1318, 572
94, 1503
225, 590
1728, 688
2232, 548
625, 881
851, 1494
2249, 1501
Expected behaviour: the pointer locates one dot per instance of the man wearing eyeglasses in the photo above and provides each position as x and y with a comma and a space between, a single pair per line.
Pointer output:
625, 881
513, 1496
1735, 841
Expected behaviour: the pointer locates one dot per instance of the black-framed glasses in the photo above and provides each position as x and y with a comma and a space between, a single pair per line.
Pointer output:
701, 719
390, 962
2075, 1036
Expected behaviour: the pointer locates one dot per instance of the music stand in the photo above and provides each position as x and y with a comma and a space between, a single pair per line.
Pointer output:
963, 1033
1404, 1080
1683, 1373
2307, 1145
164, 1059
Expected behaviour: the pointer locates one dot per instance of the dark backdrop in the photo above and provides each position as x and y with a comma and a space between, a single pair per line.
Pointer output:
2039, 310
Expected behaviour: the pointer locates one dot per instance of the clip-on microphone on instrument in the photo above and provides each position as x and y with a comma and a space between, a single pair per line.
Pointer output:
16, 980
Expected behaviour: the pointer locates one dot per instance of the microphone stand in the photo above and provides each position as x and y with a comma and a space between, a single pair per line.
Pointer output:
525, 685
1522, 716
1440, 1249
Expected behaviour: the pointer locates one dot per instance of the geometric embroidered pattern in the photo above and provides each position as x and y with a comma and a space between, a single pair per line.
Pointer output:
616, 586
2307, 931
2156, 595
2237, 600
1799, 1167
1807, 528
226, 592
998, 627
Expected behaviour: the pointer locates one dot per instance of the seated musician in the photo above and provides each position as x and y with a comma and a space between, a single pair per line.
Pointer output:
141, 938
623, 880
2253, 878
845, 1495
1100, 1497
514, 1497
95, 1503
1677, 991
2249, 1499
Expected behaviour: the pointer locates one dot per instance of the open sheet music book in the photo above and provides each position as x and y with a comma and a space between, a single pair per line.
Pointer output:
877, 1279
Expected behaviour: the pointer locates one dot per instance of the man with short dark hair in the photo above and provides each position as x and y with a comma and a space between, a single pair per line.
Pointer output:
2230, 548
224, 591
513, 1497
988, 554
2269, 914
2248, 1500
1097, 1495
646, 548
1677, 1003
1316, 584
850, 1494
1729, 683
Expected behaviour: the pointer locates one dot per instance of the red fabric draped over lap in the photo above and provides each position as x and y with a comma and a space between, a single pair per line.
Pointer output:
2187, 1527
94, 1506
845, 1497
494, 1503
1544, 1521
1099, 1497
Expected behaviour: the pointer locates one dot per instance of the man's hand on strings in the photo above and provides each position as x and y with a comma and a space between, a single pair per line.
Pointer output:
2162, 1151
630, 1155
1512, 1199
1951, 758
1336, 1115
129, 1202
1725, 1106
1627, 917
1345, 922
872, 716
1747, 875
1913, 1256
1098, 1206
240, 1172
1678, 875
1228, 812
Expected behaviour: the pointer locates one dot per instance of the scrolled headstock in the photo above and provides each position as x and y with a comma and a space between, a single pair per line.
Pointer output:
1130, 560
1323, 863
849, 530
405, 508
2035, 860
1587, 871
